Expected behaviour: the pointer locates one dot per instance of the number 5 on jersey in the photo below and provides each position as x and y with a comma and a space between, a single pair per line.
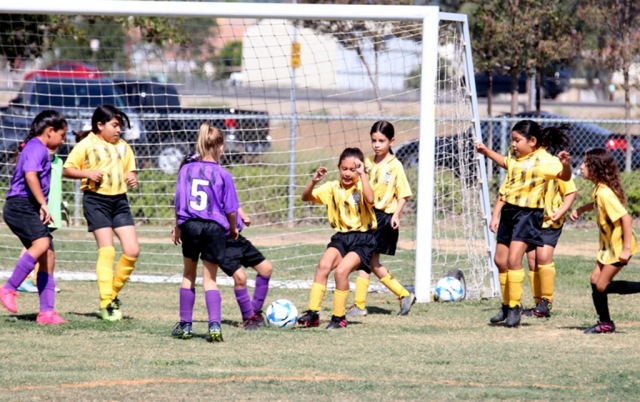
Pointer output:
200, 203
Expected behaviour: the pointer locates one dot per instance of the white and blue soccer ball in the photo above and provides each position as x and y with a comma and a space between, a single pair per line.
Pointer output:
282, 314
449, 289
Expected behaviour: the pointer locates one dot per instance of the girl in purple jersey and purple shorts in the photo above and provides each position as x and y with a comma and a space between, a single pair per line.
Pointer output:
27, 215
206, 203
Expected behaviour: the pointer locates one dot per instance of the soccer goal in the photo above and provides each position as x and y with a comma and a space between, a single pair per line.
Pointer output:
290, 86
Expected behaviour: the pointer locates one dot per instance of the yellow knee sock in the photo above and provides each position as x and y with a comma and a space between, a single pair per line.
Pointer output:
104, 271
362, 287
393, 285
340, 299
34, 275
316, 296
504, 288
534, 281
515, 279
124, 268
547, 277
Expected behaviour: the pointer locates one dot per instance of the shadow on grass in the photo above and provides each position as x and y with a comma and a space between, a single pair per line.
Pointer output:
95, 315
501, 324
22, 317
378, 310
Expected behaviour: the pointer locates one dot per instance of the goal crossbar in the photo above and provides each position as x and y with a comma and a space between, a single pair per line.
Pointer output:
428, 16
227, 10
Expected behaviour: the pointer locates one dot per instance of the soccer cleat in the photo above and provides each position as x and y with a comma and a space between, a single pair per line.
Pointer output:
543, 309
355, 311
28, 287
602, 328
50, 318
406, 303
215, 333
260, 319
310, 318
501, 316
513, 316
116, 303
109, 314
251, 323
182, 330
8, 298
337, 322
527, 312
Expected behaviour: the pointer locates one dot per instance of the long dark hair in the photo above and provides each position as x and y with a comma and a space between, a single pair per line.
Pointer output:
603, 169
104, 114
385, 128
554, 139
351, 153
44, 119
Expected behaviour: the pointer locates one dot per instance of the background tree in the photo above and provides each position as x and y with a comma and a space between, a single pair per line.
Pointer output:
555, 40
358, 35
618, 44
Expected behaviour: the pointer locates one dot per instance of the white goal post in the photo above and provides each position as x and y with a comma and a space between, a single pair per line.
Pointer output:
415, 71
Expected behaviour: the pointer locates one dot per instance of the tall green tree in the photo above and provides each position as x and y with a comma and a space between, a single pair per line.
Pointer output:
357, 35
617, 45
555, 39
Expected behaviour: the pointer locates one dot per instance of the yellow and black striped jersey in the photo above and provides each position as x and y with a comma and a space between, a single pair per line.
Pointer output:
347, 209
554, 193
524, 183
114, 160
389, 183
609, 210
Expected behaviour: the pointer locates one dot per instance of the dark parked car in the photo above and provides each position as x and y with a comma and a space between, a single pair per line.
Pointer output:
172, 130
552, 85
584, 135
76, 98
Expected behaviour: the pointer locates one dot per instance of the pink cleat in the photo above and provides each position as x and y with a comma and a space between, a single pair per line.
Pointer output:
8, 298
50, 318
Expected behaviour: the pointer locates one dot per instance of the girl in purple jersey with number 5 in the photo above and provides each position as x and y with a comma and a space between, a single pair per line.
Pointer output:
206, 203
27, 215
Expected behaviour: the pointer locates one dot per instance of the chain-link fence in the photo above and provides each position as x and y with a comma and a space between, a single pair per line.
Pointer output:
585, 134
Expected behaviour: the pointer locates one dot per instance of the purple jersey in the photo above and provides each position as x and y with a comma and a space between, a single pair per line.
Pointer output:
205, 191
239, 223
33, 158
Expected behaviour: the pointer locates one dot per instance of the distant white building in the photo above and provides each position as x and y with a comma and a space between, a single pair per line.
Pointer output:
325, 64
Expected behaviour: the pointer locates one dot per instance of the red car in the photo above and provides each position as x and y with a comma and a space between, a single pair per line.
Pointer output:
67, 69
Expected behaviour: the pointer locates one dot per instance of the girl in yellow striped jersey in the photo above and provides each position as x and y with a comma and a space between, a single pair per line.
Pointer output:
618, 242
529, 167
106, 165
391, 191
349, 203
559, 195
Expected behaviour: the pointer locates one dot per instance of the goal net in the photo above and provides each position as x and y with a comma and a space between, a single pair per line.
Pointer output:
290, 86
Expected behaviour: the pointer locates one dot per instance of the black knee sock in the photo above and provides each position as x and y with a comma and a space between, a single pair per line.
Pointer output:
601, 303
623, 287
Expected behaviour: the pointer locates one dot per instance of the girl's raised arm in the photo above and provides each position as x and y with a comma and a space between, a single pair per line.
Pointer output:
307, 193
496, 157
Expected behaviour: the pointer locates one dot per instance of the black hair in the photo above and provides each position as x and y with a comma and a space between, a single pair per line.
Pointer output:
385, 128
351, 153
104, 114
554, 139
44, 119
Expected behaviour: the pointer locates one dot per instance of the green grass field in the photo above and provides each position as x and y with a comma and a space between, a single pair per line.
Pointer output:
440, 351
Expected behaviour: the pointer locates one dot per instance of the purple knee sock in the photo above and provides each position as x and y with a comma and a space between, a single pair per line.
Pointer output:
23, 268
260, 293
244, 302
214, 305
187, 300
47, 291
